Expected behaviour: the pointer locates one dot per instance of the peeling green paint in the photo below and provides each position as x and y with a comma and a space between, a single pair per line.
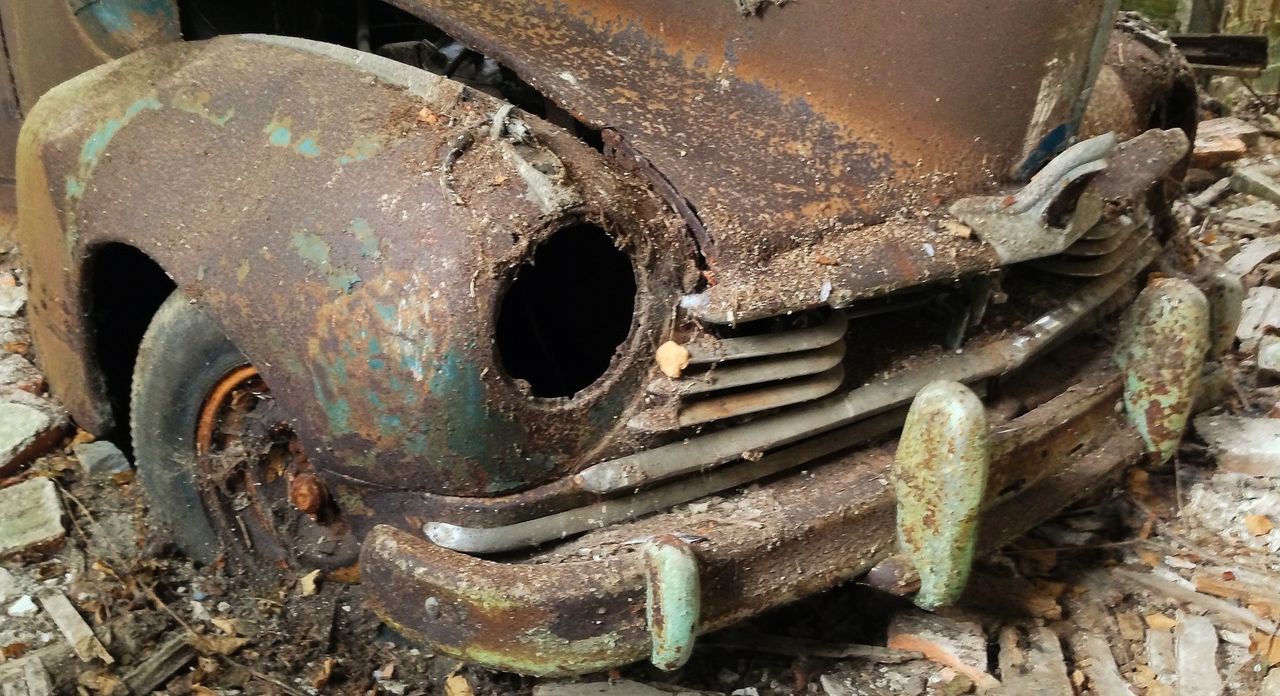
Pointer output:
940, 480
673, 600
91, 153
1163, 341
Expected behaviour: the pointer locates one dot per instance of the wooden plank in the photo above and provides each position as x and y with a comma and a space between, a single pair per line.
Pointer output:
74, 628
171, 656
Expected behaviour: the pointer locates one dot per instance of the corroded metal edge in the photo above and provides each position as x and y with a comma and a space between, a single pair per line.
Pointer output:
566, 616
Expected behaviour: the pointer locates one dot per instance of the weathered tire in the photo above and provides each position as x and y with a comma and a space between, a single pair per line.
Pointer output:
182, 356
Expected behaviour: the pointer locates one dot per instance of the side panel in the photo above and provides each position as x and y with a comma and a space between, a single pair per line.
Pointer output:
351, 223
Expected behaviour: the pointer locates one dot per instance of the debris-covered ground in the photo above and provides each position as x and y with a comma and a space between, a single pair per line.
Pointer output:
1169, 585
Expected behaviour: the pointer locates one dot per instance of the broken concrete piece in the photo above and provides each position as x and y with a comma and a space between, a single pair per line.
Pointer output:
12, 299
74, 628
1244, 445
1269, 357
101, 459
1252, 254
1261, 217
1160, 656
23, 608
23, 431
1259, 315
958, 644
1211, 195
30, 517
1197, 654
1257, 180
16, 371
8, 585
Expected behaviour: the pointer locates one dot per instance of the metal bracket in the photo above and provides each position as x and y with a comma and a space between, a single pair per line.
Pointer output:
1018, 226
673, 600
940, 478
1163, 342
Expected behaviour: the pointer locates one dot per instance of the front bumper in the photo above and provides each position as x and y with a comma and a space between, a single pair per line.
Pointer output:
582, 608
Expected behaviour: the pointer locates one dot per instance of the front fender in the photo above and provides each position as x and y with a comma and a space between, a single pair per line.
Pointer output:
351, 223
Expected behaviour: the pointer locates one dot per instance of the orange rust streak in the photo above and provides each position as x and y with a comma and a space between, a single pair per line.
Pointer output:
216, 401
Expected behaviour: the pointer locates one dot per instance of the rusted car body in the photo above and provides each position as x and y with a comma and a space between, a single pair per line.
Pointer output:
825, 223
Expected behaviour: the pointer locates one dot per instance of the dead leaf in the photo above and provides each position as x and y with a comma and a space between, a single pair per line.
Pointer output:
824, 260
13, 650
1258, 525
307, 585
221, 645
1160, 622
227, 626
323, 673
457, 685
672, 359
428, 117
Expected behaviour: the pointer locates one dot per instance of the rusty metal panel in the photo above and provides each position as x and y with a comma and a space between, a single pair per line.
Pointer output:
804, 120
371, 315
53, 40
580, 607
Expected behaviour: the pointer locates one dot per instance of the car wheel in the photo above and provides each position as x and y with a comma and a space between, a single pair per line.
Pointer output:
221, 466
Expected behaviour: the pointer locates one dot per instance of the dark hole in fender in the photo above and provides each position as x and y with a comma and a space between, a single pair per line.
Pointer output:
566, 312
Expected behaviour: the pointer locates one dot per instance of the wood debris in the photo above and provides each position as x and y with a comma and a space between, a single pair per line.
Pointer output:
73, 628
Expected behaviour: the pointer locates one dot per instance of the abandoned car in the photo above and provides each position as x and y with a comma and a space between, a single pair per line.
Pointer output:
576, 328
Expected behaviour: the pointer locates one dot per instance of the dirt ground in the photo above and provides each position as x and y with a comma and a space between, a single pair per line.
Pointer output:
1170, 584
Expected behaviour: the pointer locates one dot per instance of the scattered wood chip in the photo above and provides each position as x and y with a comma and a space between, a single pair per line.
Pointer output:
1258, 525
323, 673
1160, 622
824, 260
161, 665
457, 685
672, 359
73, 628
1166, 589
220, 645
309, 584
1265, 646
957, 229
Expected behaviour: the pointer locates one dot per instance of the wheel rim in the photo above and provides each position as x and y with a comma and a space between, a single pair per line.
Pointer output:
255, 477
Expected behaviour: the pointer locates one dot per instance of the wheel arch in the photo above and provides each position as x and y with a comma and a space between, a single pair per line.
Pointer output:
350, 222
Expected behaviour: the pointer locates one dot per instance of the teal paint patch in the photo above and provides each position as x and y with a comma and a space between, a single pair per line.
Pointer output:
377, 364
312, 249
308, 147
117, 17
280, 136
91, 153
316, 252
473, 431
389, 313
362, 149
370, 247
